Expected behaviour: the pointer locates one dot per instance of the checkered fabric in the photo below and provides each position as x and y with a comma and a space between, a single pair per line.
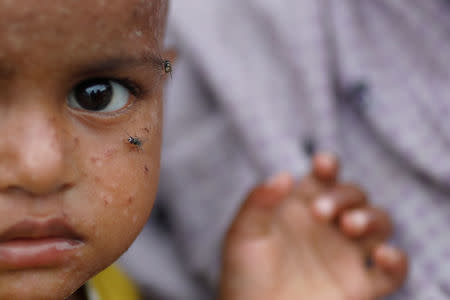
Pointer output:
258, 81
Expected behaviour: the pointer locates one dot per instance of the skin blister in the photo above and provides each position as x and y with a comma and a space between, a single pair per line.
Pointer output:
65, 157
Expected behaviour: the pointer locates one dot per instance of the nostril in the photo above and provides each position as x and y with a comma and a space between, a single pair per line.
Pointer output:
66, 187
13, 190
19, 190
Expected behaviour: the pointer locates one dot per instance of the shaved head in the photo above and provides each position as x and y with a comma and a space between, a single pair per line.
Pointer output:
111, 26
142, 18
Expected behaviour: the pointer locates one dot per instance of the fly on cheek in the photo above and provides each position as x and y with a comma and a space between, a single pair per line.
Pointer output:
107, 97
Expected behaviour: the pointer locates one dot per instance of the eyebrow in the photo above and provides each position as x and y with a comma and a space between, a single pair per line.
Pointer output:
123, 62
113, 63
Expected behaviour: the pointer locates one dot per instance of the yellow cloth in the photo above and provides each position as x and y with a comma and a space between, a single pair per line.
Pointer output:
112, 284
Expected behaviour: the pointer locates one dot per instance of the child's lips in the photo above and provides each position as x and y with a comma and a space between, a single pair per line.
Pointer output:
31, 244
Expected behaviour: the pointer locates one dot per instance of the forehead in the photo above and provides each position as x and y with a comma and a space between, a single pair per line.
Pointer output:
43, 11
28, 27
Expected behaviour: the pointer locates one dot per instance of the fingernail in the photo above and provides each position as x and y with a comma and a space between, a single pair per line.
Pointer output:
325, 166
324, 207
388, 252
327, 160
280, 180
358, 220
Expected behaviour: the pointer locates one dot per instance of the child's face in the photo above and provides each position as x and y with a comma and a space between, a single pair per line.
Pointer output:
77, 77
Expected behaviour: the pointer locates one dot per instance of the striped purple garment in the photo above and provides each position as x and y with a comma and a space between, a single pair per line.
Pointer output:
260, 83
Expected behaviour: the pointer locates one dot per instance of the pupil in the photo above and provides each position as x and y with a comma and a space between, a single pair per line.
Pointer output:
94, 94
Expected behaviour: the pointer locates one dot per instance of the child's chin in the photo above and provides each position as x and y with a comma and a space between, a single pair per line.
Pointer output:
38, 284
35, 295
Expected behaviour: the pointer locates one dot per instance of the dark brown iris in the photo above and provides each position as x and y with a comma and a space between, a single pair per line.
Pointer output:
94, 94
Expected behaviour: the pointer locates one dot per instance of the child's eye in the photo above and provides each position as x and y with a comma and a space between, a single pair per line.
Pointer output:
100, 95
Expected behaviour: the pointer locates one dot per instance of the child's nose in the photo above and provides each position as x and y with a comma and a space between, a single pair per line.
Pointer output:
32, 153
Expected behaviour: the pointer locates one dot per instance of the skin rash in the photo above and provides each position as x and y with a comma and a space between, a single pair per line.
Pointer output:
68, 163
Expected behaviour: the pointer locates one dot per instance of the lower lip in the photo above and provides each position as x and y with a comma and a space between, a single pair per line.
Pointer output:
35, 253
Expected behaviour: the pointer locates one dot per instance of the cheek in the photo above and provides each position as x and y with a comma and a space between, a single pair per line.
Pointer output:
118, 191
123, 188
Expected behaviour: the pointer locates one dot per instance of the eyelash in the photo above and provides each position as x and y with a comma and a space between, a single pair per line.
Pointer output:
135, 89
130, 84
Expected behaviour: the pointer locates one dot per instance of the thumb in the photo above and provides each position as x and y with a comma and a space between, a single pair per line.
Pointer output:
325, 167
257, 212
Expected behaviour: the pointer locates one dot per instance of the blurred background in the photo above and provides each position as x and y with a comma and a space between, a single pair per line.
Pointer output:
261, 85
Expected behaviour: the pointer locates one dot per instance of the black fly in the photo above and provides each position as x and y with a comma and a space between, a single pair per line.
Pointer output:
135, 141
164, 64
167, 66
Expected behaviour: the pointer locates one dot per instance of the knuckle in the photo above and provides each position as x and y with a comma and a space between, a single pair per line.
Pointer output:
353, 192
